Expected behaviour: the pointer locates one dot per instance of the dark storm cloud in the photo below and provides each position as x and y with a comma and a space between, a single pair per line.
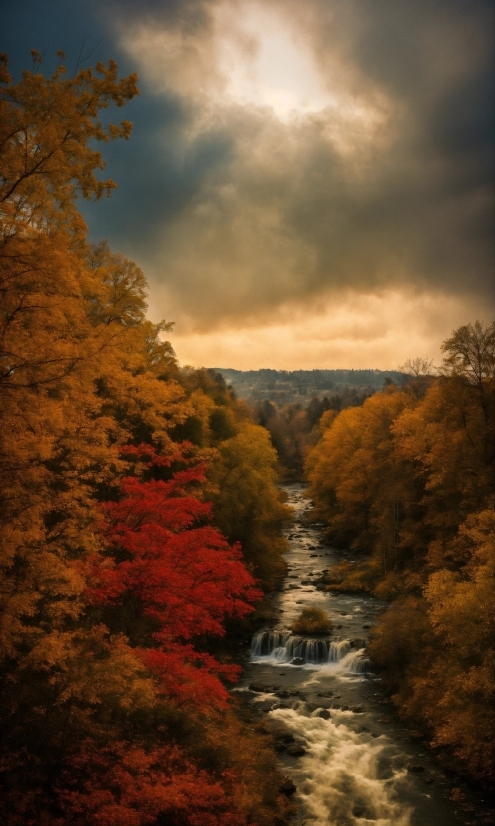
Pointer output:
234, 213
296, 220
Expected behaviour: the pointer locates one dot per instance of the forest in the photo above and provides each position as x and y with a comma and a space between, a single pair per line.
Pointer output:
141, 519
405, 483
140, 513
296, 386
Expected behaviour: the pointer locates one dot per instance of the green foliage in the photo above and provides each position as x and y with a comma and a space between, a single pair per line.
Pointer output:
248, 507
312, 621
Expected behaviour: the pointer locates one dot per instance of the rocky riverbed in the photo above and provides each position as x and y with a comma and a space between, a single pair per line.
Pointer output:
347, 758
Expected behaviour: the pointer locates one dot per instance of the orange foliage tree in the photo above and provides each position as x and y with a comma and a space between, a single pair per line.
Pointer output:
407, 481
112, 579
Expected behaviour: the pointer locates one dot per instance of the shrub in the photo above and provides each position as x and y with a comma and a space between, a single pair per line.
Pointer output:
312, 621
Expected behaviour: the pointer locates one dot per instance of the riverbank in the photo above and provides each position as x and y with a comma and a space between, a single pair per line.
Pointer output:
352, 761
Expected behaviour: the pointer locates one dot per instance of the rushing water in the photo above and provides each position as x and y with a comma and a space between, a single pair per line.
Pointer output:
353, 762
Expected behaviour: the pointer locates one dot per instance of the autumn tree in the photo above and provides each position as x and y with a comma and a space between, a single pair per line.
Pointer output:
112, 577
407, 480
168, 578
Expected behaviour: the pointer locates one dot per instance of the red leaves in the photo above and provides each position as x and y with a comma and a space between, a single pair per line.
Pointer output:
180, 575
188, 676
123, 784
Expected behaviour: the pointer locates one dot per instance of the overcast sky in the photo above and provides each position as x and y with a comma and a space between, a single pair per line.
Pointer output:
309, 183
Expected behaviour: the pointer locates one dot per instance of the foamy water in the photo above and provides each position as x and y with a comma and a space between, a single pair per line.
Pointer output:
342, 782
321, 690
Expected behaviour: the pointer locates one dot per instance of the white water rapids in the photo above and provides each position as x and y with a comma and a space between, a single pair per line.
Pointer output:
282, 647
351, 765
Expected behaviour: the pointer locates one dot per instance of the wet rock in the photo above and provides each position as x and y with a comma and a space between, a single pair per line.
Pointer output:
283, 693
265, 706
296, 750
287, 787
324, 714
258, 688
344, 708
297, 661
415, 768
325, 694
357, 643
357, 709
366, 626
283, 735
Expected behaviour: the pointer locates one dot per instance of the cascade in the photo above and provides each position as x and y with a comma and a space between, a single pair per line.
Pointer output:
283, 647
352, 764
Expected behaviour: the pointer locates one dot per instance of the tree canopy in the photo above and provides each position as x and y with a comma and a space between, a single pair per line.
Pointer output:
407, 481
115, 577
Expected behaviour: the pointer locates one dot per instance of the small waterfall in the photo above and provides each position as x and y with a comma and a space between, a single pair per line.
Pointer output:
265, 642
338, 650
360, 664
283, 647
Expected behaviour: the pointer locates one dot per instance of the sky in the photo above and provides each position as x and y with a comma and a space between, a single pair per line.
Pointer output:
309, 183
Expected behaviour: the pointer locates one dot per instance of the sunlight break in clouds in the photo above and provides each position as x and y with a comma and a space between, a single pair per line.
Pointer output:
265, 65
253, 55
320, 151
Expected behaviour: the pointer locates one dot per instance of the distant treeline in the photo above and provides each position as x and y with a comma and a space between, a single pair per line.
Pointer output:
290, 385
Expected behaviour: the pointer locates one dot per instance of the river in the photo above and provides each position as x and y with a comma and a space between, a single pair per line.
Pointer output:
351, 759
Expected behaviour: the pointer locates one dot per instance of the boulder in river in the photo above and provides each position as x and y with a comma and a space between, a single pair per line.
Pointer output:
324, 714
357, 643
297, 661
258, 688
283, 735
287, 787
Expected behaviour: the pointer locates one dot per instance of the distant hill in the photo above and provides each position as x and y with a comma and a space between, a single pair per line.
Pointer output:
286, 386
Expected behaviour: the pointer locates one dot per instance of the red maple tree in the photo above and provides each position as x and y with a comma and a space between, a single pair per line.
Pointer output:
178, 572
